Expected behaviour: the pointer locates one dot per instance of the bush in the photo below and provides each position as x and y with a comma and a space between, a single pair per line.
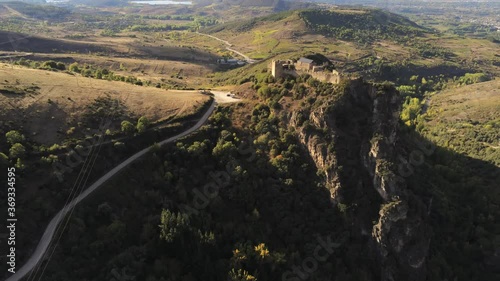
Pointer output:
61, 66
74, 67
49, 65
471, 78
264, 92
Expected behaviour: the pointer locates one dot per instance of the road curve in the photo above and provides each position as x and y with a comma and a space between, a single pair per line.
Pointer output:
49, 233
229, 45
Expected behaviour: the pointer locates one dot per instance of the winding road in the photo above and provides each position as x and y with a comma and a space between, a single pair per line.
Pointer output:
229, 45
49, 233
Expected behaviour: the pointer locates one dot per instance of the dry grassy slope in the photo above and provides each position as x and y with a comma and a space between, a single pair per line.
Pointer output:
145, 69
70, 94
473, 103
114, 46
13, 41
467, 120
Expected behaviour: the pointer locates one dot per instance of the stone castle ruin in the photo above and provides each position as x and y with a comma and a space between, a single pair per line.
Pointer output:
280, 68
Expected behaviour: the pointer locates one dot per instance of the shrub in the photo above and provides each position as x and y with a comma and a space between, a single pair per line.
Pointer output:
61, 66
49, 65
471, 78
74, 67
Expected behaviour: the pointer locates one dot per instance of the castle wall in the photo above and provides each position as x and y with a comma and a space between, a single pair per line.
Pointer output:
333, 78
277, 70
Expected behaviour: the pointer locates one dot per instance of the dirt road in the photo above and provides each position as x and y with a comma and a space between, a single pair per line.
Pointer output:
229, 45
46, 240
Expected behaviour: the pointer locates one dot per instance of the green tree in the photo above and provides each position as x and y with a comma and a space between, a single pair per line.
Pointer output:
141, 128
172, 225
197, 148
127, 127
144, 120
240, 275
14, 137
142, 124
224, 149
19, 164
17, 150
411, 109
264, 92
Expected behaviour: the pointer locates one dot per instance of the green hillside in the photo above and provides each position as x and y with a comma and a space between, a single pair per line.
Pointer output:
361, 25
249, 24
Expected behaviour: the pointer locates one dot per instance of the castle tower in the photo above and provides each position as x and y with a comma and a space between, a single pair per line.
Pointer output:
276, 68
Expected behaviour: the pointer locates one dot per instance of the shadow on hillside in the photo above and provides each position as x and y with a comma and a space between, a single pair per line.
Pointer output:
18, 42
464, 206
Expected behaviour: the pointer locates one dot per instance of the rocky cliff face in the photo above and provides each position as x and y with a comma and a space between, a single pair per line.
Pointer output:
353, 140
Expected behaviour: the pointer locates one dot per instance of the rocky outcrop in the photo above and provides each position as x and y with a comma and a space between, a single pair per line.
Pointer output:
353, 139
317, 147
401, 233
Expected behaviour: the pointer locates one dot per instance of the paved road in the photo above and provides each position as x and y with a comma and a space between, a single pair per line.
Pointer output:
37, 256
229, 45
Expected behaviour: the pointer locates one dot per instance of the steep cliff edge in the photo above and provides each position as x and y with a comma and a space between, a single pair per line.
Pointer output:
352, 138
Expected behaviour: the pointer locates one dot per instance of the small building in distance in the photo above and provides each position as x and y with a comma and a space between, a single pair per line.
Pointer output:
280, 68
